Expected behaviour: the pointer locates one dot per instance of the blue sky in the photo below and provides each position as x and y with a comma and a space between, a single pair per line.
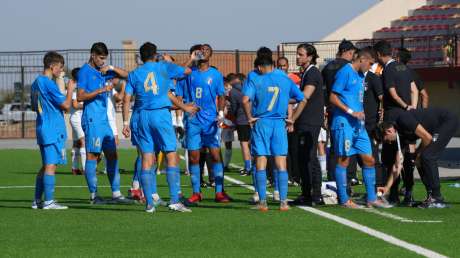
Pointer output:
172, 24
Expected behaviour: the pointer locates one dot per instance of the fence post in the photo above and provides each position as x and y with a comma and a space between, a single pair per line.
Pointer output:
111, 58
402, 41
237, 61
23, 128
455, 50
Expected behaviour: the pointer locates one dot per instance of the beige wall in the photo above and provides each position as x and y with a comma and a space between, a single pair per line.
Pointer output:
119, 126
378, 16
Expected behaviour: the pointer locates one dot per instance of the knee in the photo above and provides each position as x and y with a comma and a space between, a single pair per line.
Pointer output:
194, 158
369, 162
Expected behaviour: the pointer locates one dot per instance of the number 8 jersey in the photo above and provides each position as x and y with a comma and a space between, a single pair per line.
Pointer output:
202, 88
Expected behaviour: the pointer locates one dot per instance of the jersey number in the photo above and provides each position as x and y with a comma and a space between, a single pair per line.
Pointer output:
275, 91
198, 93
150, 84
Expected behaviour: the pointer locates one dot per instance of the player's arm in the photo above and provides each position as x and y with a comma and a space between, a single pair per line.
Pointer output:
334, 100
189, 108
82, 95
424, 136
121, 94
307, 92
125, 114
120, 71
247, 110
414, 94
68, 98
398, 99
425, 98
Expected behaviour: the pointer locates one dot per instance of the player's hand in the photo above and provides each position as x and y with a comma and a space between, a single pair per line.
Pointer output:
252, 121
381, 113
358, 115
410, 107
126, 131
167, 58
194, 55
106, 68
108, 87
71, 86
191, 109
382, 189
220, 118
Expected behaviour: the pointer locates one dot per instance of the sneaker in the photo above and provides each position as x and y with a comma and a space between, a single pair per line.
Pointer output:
157, 202
276, 196
317, 201
121, 200
284, 206
351, 205
97, 201
185, 202
302, 201
37, 204
150, 209
379, 204
76, 171
408, 201
222, 197
432, 202
254, 199
179, 207
53, 205
136, 194
261, 206
195, 198
244, 172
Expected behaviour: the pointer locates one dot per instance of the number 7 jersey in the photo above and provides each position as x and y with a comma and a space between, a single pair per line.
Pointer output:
270, 94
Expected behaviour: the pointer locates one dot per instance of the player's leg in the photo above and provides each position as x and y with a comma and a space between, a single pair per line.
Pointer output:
54, 154
280, 163
75, 158
244, 137
322, 139
93, 144
218, 173
38, 203
279, 150
193, 144
147, 174
408, 174
173, 179
342, 139
227, 137
82, 151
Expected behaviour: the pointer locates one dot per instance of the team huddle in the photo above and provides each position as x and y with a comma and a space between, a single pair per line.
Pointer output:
367, 97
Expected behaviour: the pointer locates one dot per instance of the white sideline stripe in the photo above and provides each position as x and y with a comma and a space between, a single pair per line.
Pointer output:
369, 231
378, 212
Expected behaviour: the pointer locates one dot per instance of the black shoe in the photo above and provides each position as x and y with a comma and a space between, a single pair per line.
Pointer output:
301, 201
244, 172
318, 201
204, 185
408, 201
431, 203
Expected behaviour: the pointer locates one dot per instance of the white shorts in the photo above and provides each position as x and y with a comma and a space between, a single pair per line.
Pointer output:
322, 137
228, 135
77, 130
113, 125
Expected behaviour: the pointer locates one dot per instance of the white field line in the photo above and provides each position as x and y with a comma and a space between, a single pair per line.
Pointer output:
379, 212
369, 231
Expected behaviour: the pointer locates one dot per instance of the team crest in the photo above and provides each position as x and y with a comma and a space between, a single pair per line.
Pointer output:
209, 81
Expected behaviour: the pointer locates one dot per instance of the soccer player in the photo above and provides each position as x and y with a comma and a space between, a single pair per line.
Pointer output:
434, 127
49, 102
151, 84
348, 130
78, 136
94, 90
204, 87
269, 94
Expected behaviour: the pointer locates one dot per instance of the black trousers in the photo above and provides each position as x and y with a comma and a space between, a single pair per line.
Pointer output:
428, 167
293, 152
308, 164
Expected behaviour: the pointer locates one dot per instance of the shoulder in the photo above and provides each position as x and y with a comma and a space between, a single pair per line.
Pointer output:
215, 72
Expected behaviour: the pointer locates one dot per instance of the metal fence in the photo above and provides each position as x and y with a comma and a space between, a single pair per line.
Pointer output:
19, 69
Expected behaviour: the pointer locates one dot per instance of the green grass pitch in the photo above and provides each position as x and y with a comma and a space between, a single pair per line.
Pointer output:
211, 230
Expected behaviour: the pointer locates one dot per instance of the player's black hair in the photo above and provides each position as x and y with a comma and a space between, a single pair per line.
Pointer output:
207, 45
311, 51
195, 48
242, 76
231, 76
371, 50
263, 61
99, 48
52, 57
404, 55
74, 73
363, 52
381, 128
148, 51
264, 51
282, 58
383, 48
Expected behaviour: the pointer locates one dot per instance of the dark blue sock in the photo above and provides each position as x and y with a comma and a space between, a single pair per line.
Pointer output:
195, 177
341, 181
247, 165
48, 183
369, 182
38, 187
90, 175
137, 169
113, 175
275, 180
146, 182
283, 184
218, 171
261, 176
171, 177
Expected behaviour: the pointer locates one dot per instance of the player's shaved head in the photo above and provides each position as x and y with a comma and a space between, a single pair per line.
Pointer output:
148, 51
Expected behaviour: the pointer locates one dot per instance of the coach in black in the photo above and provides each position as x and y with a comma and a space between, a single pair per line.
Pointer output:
434, 127
344, 56
307, 126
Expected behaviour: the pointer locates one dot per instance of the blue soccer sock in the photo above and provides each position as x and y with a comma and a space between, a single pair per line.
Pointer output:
171, 177
369, 182
146, 182
90, 175
275, 180
39, 187
247, 165
195, 177
283, 184
341, 181
218, 171
154, 179
113, 175
48, 185
261, 178
137, 170
254, 178
178, 187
